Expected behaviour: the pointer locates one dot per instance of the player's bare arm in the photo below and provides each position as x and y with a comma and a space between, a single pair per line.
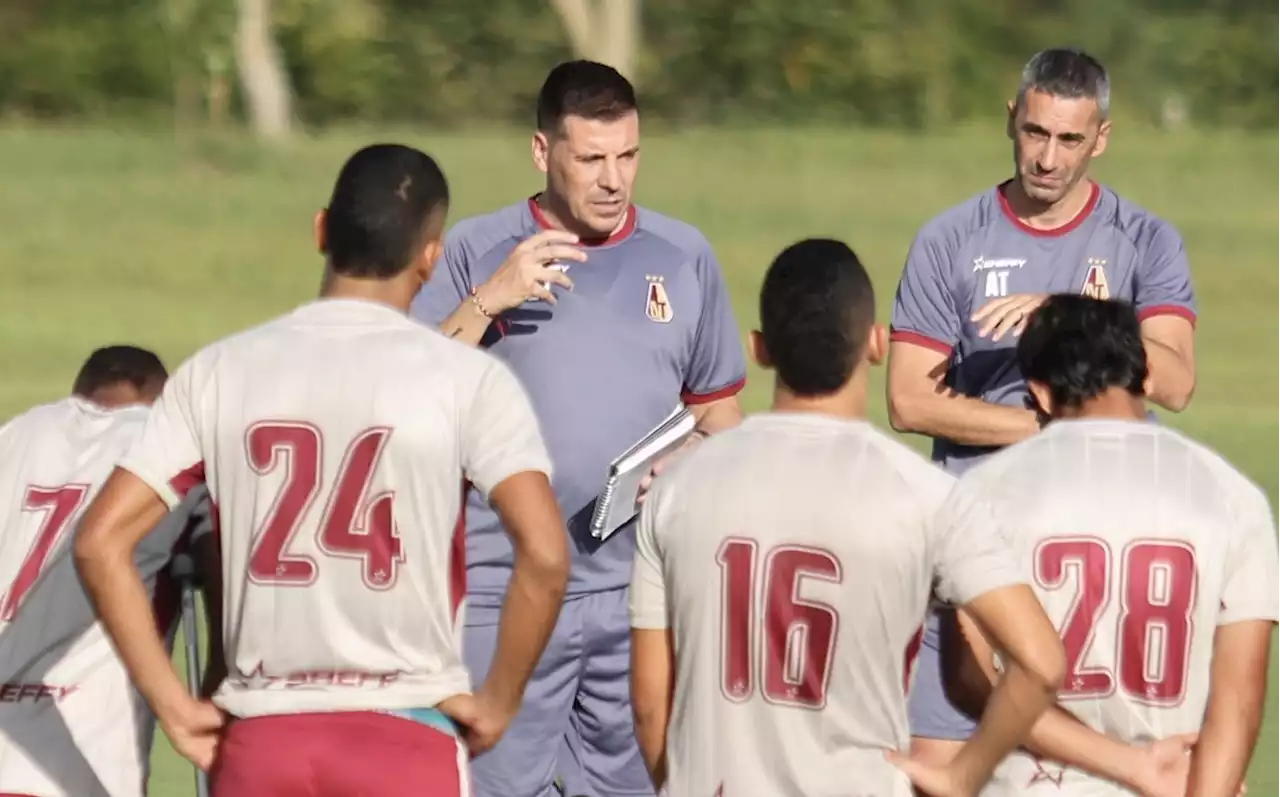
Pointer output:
921, 403
1237, 702
529, 512
1171, 360
527, 274
1159, 769
1034, 668
115, 523
652, 682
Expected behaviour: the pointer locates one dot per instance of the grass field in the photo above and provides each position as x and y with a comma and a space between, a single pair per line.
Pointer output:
121, 238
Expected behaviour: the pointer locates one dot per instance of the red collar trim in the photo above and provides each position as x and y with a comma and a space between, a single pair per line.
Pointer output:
1095, 191
628, 226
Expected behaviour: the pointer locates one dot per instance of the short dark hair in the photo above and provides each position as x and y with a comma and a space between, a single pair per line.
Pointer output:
586, 89
114, 365
817, 306
379, 215
1080, 347
1069, 73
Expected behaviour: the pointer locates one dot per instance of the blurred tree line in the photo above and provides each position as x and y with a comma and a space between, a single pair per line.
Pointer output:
916, 64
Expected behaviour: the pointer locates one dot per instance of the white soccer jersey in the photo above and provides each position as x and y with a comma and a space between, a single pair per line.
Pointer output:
792, 559
335, 442
1140, 543
71, 722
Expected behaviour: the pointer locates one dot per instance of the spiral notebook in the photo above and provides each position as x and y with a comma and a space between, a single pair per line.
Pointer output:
616, 505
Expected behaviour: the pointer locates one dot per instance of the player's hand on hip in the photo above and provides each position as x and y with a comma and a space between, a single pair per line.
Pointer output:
1007, 314
196, 731
530, 271
1163, 767
481, 720
930, 778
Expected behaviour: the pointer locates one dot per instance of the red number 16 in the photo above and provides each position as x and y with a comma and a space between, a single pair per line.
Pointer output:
795, 639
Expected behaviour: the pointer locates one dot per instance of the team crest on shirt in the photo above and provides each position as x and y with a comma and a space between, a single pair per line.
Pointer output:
1095, 281
657, 304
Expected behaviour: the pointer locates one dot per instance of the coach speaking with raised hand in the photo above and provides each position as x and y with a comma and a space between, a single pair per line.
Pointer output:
976, 272
629, 315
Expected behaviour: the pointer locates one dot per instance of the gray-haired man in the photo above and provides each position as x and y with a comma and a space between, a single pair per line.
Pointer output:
976, 272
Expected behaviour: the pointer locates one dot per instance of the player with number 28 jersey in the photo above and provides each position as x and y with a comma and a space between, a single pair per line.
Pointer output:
1140, 543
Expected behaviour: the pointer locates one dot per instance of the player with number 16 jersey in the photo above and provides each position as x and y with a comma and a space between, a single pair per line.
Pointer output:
335, 441
791, 560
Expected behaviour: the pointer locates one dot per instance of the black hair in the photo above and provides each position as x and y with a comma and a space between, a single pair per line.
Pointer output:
383, 204
1068, 73
114, 365
817, 307
586, 89
1080, 348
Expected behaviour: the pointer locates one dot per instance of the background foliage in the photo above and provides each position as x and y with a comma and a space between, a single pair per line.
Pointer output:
896, 63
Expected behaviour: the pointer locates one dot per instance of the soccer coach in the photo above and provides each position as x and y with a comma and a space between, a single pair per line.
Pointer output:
647, 323
975, 272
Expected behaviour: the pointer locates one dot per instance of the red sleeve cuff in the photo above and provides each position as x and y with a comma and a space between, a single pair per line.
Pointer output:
916, 339
1167, 309
691, 398
187, 480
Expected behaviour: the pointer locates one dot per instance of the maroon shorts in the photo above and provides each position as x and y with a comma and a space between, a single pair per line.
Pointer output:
338, 755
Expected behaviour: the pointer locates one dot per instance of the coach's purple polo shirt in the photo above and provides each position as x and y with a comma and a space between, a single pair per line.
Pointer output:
648, 323
979, 251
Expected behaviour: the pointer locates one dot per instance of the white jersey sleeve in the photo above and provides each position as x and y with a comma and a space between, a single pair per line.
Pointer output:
972, 553
648, 595
501, 436
169, 446
1251, 585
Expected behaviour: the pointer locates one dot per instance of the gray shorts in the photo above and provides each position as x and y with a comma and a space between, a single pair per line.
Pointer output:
574, 734
929, 714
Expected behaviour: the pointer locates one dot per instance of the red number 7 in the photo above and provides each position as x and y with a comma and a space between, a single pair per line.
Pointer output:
59, 505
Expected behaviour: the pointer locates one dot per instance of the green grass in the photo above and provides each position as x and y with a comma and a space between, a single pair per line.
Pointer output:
120, 238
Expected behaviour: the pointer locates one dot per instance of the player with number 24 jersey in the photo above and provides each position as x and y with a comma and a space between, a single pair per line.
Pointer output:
335, 442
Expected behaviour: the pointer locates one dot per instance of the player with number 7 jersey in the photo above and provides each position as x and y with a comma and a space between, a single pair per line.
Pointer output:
71, 724
335, 442
1154, 557
783, 570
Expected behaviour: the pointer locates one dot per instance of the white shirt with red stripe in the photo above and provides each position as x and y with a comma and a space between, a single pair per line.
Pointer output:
1140, 543
71, 723
335, 441
792, 558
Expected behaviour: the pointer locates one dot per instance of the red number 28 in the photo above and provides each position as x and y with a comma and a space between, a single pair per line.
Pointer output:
352, 525
795, 639
1157, 591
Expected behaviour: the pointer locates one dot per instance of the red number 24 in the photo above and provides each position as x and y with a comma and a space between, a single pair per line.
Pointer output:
1157, 591
59, 505
352, 525
797, 636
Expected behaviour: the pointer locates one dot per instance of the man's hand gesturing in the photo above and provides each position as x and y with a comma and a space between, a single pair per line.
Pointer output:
529, 272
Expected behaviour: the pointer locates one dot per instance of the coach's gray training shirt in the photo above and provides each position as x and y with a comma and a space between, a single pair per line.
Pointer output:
648, 323
980, 251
